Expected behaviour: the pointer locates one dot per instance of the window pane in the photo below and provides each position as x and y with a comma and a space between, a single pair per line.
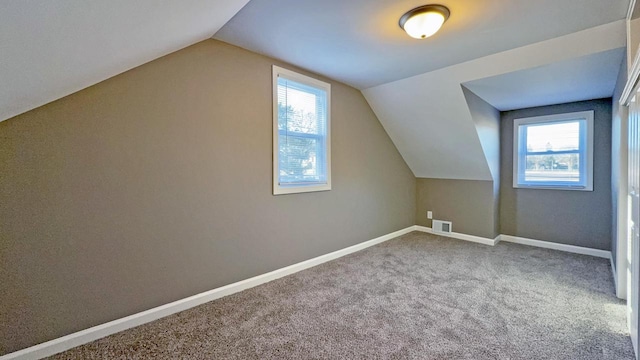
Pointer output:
301, 111
299, 160
553, 137
301, 108
301, 157
554, 151
552, 168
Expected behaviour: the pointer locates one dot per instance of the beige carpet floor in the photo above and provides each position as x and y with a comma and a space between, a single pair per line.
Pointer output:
419, 296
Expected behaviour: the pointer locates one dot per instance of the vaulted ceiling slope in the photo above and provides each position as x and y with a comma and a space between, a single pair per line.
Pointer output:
428, 118
434, 97
360, 43
52, 48
439, 98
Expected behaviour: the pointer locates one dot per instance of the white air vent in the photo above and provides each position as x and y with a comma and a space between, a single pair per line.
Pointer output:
440, 226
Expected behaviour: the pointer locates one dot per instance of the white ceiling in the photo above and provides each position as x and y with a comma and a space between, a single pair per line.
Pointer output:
360, 43
591, 76
511, 53
415, 86
427, 116
52, 48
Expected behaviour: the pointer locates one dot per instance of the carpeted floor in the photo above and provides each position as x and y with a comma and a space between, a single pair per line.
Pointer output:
419, 296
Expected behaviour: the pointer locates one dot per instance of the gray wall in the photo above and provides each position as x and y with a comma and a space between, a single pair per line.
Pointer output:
486, 119
581, 218
472, 205
618, 158
469, 204
156, 185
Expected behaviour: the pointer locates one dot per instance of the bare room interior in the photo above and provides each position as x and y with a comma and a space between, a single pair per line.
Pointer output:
362, 179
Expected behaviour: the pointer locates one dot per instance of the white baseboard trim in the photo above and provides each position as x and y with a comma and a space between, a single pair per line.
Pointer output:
459, 236
525, 241
556, 246
85, 336
614, 273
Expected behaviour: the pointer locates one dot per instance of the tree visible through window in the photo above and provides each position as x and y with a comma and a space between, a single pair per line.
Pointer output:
301, 133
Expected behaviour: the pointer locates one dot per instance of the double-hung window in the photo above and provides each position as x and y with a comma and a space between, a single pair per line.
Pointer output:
554, 152
301, 133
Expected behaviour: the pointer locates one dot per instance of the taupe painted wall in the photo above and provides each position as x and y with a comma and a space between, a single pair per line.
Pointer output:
156, 185
472, 205
634, 37
469, 204
487, 122
581, 218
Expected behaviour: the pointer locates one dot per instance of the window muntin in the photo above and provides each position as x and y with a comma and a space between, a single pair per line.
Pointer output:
301, 133
554, 152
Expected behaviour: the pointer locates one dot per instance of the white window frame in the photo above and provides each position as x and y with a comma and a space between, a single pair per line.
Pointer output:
306, 80
556, 118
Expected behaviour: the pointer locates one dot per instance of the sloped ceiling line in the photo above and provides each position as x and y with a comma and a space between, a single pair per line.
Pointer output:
486, 119
53, 48
429, 111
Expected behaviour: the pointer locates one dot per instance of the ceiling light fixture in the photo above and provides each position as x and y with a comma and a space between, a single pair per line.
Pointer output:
424, 21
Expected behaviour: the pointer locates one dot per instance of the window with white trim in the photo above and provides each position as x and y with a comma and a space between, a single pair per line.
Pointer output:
301, 133
554, 152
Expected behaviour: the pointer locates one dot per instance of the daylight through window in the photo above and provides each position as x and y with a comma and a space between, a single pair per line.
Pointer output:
301, 133
554, 152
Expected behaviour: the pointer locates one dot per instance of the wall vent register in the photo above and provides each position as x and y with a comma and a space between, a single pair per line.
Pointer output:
440, 226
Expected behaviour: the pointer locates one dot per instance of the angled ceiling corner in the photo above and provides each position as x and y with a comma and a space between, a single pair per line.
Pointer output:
431, 126
51, 49
438, 127
486, 119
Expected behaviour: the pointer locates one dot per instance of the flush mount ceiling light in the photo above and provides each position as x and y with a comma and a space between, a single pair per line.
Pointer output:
424, 21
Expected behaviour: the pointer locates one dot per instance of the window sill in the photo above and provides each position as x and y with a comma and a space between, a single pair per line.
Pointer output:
283, 190
552, 187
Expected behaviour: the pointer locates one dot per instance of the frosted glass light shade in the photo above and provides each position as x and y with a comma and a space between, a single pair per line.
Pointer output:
424, 21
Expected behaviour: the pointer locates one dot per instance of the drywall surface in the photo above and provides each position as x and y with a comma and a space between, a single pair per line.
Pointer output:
427, 115
469, 204
581, 218
156, 185
487, 121
619, 151
634, 39
486, 118
54, 48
